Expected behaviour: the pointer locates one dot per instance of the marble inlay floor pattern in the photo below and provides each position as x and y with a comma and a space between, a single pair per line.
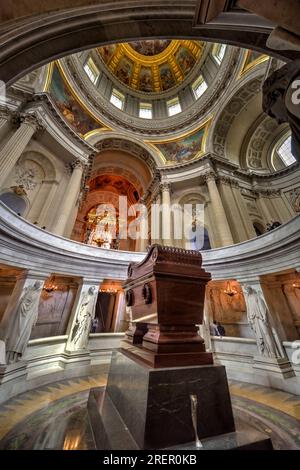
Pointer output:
55, 416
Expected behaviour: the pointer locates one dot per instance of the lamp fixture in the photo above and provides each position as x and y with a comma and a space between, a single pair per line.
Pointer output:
50, 285
230, 291
109, 291
296, 285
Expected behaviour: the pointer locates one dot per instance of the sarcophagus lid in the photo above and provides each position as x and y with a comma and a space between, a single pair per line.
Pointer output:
168, 286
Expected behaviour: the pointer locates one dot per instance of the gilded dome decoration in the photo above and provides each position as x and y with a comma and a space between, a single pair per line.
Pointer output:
152, 66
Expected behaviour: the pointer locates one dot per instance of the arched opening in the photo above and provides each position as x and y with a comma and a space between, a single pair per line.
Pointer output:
14, 201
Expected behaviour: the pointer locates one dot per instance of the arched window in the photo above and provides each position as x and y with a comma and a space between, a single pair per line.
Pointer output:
284, 150
117, 99
219, 52
173, 106
14, 202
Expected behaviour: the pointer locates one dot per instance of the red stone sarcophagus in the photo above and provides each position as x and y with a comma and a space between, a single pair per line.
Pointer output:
166, 294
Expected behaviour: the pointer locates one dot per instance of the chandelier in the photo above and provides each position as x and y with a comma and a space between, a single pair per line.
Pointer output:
103, 238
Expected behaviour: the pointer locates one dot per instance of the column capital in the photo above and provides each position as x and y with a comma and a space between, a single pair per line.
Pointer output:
75, 164
228, 181
269, 192
31, 120
165, 186
5, 113
209, 176
78, 164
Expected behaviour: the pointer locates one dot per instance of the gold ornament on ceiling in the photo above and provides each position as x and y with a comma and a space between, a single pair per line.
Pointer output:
154, 65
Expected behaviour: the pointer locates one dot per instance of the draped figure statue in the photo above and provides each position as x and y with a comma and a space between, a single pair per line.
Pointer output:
257, 313
84, 317
21, 323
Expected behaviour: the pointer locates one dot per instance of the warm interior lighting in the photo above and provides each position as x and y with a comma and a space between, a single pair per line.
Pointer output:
296, 285
109, 290
230, 291
50, 285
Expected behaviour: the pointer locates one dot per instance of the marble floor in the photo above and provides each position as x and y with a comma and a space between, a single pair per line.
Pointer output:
55, 416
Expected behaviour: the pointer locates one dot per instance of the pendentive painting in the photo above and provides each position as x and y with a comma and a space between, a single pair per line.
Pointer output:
71, 110
183, 150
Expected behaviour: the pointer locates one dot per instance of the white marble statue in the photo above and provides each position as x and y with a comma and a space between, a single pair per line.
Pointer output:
21, 322
84, 317
258, 317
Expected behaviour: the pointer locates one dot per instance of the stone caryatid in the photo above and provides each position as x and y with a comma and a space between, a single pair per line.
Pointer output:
82, 325
258, 317
21, 323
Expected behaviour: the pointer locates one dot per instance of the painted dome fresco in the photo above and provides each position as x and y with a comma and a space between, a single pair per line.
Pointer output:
154, 65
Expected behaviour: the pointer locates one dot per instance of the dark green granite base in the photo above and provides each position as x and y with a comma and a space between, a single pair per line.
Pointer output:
144, 408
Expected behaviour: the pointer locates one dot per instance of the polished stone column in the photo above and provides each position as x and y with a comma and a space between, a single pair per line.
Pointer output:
83, 312
166, 214
222, 226
142, 241
21, 314
13, 149
155, 219
69, 199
